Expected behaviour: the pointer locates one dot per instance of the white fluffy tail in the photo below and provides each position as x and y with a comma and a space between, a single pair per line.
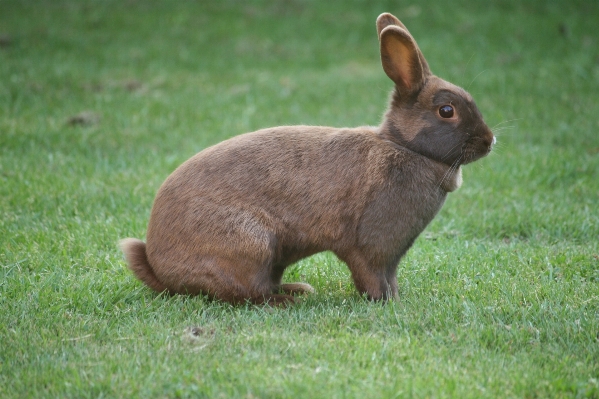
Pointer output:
135, 254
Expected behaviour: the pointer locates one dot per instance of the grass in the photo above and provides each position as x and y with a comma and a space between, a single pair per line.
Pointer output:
102, 100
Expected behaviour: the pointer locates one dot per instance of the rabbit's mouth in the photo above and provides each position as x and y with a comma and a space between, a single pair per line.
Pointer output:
477, 147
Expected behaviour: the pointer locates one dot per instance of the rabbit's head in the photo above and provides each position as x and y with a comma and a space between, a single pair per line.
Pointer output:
428, 115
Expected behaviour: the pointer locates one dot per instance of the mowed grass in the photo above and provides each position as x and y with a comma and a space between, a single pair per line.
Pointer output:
101, 101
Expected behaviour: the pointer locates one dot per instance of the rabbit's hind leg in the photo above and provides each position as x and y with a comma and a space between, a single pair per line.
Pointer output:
253, 285
235, 281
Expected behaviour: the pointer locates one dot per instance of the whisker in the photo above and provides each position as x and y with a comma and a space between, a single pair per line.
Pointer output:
454, 166
495, 152
511, 120
498, 148
466, 67
468, 87
503, 128
449, 152
501, 132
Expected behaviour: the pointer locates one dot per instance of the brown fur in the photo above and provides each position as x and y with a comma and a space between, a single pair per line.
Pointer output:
229, 221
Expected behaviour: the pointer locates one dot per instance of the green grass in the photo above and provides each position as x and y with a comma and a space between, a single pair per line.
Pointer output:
499, 296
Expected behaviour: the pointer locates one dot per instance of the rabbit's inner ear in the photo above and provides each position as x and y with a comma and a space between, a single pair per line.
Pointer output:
399, 56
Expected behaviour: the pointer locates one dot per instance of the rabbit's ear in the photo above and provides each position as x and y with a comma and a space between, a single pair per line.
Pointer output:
402, 60
386, 19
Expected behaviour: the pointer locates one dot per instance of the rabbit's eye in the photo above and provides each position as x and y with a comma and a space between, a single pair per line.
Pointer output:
446, 111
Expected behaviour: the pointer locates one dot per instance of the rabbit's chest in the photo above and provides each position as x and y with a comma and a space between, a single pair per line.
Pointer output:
398, 214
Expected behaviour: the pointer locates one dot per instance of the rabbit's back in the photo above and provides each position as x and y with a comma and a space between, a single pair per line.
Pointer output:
307, 180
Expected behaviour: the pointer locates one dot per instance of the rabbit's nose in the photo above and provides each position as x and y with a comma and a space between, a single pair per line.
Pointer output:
494, 141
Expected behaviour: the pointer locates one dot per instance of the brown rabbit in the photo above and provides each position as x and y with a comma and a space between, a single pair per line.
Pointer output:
229, 220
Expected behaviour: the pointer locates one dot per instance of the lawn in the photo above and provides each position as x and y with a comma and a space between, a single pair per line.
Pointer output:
101, 100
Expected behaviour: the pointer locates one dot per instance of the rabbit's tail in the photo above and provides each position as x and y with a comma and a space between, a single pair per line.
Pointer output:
135, 254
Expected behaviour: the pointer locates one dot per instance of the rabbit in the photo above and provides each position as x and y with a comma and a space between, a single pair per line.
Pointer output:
231, 219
